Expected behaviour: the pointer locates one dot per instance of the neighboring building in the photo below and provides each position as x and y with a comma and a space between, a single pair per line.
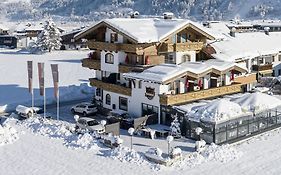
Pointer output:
129, 78
4, 30
68, 41
259, 51
8, 41
28, 33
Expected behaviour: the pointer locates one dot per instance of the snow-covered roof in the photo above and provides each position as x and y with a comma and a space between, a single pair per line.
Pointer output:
229, 107
2, 27
257, 101
147, 30
164, 72
247, 45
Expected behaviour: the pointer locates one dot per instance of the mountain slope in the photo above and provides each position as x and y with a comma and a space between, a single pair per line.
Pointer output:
97, 9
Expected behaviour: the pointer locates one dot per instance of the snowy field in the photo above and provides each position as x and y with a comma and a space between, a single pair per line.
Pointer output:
48, 147
14, 84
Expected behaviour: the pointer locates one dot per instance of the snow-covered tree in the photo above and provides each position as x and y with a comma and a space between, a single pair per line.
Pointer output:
49, 39
175, 127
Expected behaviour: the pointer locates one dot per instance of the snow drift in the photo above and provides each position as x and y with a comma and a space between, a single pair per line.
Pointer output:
8, 134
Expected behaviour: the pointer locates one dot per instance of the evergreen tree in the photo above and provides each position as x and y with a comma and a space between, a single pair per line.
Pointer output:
175, 128
49, 39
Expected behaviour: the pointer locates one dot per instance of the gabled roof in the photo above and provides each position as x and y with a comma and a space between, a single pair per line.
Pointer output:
146, 30
165, 72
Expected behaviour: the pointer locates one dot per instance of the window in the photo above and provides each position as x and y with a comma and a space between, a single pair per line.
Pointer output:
123, 103
149, 109
170, 59
279, 72
107, 99
93, 123
113, 37
140, 84
185, 58
178, 38
184, 37
109, 58
98, 92
118, 76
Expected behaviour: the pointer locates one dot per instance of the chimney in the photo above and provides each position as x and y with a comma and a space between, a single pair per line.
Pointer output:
168, 15
232, 31
266, 30
135, 14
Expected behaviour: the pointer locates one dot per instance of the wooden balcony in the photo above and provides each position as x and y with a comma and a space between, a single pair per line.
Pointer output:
181, 47
125, 68
199, 95
130, 48
111, 87
91, 63
266, 67
247, 79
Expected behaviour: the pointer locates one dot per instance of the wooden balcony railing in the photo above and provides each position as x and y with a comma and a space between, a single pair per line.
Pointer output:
91, 63
181, 47
111, 87
125, 68
198, 95
246, 79
262, 67
130, 48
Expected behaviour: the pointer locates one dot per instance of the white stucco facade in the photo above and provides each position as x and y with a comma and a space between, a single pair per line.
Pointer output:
118, 57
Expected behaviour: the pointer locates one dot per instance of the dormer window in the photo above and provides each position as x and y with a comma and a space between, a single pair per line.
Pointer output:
113, 37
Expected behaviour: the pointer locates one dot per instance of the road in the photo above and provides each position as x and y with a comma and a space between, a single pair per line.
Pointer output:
65, 113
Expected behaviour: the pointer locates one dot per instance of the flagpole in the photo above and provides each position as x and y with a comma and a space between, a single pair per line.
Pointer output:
32, 98
44, 96
58, 104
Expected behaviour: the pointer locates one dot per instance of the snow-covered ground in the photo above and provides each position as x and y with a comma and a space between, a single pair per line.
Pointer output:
14, 84
48, 147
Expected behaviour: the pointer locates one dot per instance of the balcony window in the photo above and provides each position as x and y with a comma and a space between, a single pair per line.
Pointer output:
108, 99
109, 58
123, 103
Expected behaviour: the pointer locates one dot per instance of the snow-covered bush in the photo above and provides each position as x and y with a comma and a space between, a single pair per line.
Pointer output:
200, 145
176, 152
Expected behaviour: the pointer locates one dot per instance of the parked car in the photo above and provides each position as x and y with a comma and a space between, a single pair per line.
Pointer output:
84, 108
24, 111
126, 121
90, 124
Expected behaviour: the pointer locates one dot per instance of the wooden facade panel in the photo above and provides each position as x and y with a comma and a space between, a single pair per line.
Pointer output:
252, 78
198, 95
91, 63
138, 49
181, 47
262, 67
111, 87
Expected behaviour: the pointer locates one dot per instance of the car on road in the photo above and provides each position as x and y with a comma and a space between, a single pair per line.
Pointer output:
24, 111
85, 109
90, 124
